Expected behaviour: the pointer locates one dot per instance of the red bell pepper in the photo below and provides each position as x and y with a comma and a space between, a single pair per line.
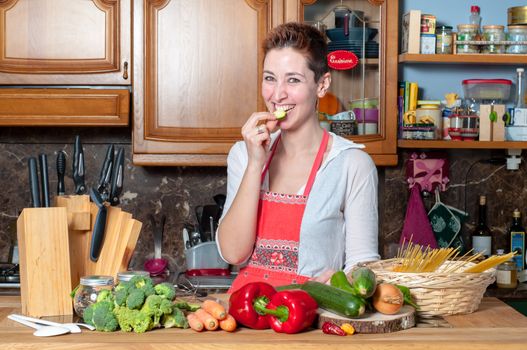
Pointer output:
289, 311
242, 301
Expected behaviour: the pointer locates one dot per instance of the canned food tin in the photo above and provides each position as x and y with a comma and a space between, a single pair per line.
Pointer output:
493, 33
517, 15
444, 40
428, 24
467, 32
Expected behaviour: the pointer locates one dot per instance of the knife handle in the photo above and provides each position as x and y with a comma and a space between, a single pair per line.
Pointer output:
98, 234
105, 177
61, 171
33, 182
117, 178
78, 166
44, 180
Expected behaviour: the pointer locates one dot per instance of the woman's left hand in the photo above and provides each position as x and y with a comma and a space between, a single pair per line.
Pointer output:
324, 276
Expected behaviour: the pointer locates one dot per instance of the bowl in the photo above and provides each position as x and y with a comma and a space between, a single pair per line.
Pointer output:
355, 34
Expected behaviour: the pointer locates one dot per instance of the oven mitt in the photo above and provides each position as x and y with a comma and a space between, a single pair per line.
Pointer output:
417, 227
446, 223
462, 216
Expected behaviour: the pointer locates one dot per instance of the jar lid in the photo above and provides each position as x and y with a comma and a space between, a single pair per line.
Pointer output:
428, 102
97, 280
493, 27
444, 28
467, 26
127, 275
517, 26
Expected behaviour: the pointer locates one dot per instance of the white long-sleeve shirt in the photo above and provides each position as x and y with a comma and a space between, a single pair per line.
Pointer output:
340, 224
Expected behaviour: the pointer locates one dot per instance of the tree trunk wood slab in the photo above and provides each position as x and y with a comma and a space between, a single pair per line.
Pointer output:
373, 322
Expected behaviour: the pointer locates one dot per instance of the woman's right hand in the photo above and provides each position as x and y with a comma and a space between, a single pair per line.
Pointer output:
257, 136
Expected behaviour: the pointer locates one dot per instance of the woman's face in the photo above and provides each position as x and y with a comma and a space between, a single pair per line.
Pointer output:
289, 84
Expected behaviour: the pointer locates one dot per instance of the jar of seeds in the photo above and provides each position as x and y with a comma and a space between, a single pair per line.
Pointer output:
88, 290
467, 32
494, 34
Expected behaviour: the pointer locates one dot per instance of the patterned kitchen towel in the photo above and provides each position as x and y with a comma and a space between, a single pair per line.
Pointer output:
416, 226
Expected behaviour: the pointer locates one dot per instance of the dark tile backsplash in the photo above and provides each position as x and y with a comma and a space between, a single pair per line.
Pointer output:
175, 191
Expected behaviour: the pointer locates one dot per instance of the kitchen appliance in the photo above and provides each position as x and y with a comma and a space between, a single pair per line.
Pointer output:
9, 276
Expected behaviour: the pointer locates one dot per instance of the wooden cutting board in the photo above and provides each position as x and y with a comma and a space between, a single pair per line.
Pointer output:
373, 322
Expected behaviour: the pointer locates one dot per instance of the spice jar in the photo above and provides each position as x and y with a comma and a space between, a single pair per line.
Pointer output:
494, 34
88, 290
428, 112
126, 276
517, 33
467, 32
444, 40
506, 274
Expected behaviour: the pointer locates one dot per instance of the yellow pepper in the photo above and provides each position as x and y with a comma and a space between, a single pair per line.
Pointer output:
348, 328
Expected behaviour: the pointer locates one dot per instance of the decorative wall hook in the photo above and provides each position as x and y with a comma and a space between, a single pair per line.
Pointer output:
428, 171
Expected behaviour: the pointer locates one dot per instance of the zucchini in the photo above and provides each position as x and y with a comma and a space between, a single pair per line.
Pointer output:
363, 282
335, 300
340, 281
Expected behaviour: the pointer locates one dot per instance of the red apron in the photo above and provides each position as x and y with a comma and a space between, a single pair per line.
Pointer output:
275, 255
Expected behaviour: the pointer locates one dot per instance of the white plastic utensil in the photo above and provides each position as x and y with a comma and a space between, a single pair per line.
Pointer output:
73, 327
41, 331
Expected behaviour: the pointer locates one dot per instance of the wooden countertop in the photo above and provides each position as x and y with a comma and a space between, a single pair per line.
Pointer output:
494, 326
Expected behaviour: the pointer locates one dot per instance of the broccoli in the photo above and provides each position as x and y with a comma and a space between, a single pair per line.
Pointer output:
156, 306
134, 320
175, 319
135, 299
183, 305
105, 295
165, 290
100, 315
120, 295
143, 283
142, 322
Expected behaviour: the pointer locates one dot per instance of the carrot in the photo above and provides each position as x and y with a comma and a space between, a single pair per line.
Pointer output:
194, 322
207, 319
228, 324
215, 309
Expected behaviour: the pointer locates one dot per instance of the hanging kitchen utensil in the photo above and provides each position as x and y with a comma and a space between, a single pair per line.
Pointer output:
417, 227
157, 265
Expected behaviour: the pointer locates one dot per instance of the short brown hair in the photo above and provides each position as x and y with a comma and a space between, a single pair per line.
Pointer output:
302, 37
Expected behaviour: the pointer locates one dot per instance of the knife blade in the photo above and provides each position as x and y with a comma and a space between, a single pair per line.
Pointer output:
61, 171
44, 180
105, 177
117, 178
33, 182
98, 227
78, 166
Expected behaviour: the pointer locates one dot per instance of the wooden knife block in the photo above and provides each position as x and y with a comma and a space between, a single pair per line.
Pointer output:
45, 276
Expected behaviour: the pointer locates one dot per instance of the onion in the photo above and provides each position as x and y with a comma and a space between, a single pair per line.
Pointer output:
388, 299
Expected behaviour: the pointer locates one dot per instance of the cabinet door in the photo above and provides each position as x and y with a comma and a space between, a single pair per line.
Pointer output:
197, 77
48, 42
374, 79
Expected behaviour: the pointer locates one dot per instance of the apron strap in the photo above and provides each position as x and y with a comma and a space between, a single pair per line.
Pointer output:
317, 163
266, 167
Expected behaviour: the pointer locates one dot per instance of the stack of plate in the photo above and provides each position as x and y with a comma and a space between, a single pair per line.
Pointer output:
371, 48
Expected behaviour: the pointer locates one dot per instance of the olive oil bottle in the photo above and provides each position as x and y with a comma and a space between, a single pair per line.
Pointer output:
517, 240
482, 237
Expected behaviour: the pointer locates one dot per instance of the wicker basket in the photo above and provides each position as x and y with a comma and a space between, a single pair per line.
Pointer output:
438, 293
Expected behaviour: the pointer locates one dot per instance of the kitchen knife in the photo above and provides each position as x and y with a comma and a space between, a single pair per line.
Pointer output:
117, 178
78, 166
33, 182
105, 177
44, 180
61, 171
99, 226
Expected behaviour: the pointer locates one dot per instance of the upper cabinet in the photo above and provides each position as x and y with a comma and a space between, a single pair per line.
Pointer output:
198, 68
67, 43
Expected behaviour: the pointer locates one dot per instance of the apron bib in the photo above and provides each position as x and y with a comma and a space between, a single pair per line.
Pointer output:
275, 256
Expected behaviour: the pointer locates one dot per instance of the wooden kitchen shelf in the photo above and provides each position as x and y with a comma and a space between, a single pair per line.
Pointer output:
462, 144
464, 58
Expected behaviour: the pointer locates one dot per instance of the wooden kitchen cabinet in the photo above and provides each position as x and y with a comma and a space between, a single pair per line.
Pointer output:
197, 75
78, 44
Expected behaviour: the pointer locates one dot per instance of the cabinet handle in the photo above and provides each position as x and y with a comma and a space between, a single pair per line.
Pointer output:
125, 70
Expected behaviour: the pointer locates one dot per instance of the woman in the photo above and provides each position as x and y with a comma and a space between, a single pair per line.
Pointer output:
301, 202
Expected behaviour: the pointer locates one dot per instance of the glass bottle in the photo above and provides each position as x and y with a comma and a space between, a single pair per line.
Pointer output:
506, 274
482, 237
126, 276
88, 290
475, 17
517, 240
520, 88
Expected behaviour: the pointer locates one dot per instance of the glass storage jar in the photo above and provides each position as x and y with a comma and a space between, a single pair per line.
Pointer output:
494, 34
506, 275
467, 32
444, 40
88, 290
518, 34
126, 276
